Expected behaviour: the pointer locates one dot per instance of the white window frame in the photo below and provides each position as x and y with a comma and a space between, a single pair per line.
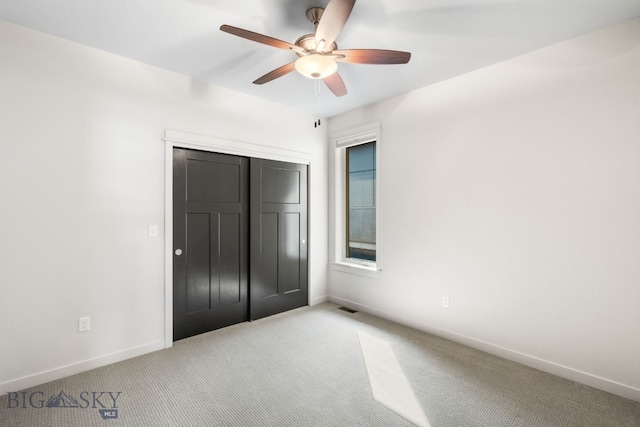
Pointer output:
340, 142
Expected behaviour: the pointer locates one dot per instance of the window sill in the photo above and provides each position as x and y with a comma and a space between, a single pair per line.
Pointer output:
358, 269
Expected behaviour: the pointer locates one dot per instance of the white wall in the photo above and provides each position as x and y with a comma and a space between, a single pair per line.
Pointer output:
82, 177
515, 191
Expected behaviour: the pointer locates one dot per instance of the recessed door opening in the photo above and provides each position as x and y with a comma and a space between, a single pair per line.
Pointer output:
239, 237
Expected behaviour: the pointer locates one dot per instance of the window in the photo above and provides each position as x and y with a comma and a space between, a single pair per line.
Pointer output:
361, 202
356, 201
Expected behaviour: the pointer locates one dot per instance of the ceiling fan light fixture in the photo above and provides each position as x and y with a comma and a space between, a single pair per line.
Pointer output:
318, 52
316, 66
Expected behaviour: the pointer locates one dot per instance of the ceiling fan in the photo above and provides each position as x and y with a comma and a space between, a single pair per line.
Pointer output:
318, 53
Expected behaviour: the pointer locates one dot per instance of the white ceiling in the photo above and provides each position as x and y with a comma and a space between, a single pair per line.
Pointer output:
446, 38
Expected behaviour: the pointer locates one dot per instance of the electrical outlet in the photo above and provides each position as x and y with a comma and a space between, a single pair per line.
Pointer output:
84, 324
445, 302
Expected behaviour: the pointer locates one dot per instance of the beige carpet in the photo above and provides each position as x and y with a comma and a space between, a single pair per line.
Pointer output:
316, 366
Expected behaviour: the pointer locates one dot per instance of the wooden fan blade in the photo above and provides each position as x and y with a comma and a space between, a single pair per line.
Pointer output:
260, 38
278, 72
335, 83
333, 18
373, 56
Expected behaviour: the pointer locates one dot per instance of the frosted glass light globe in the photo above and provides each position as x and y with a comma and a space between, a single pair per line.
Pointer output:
316, 66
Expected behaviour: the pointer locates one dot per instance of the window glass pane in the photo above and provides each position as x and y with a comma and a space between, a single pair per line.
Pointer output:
361, 202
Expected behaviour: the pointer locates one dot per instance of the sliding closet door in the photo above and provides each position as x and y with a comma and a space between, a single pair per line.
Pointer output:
210, 260
278, 237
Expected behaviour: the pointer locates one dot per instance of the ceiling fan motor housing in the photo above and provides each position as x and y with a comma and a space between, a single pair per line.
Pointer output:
308, 43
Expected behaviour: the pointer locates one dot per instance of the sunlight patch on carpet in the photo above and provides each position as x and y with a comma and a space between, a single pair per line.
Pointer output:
389, 386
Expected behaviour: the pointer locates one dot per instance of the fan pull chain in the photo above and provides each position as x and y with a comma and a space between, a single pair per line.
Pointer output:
317, 97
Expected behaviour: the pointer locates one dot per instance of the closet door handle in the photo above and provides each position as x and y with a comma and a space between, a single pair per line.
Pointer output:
178, 252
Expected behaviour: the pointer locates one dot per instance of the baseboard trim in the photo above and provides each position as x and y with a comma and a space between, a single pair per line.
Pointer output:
78, 367
319, 300
566, 372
